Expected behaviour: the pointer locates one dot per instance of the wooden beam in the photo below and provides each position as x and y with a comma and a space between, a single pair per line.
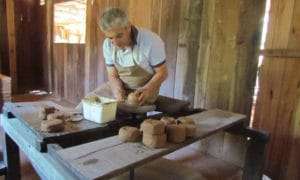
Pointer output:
10, 15
286, 53
87, 59
48, 61
1, 32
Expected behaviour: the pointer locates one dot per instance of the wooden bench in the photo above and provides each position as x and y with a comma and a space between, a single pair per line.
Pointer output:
110, 157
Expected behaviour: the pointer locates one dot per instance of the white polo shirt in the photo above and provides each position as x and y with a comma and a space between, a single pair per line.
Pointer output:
149, 51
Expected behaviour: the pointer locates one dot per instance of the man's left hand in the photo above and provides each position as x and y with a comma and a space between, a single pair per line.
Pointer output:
144, 94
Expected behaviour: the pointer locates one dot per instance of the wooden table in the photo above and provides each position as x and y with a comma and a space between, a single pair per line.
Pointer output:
90, 160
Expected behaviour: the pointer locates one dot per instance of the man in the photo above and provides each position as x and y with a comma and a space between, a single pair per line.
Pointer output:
134, 57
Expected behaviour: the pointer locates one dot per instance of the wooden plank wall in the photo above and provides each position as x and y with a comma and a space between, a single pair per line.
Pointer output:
187, 49
227, 65
29, 37
160, 16
68, 70
277, 108
11, 40
22, 44
4, 64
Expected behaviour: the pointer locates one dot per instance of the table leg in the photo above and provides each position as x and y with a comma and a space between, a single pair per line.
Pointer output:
254, 162
11, 159
255, 155
131, 174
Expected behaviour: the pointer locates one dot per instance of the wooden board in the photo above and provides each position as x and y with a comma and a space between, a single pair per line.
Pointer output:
10, 15
278, 96
109, 157
68, 68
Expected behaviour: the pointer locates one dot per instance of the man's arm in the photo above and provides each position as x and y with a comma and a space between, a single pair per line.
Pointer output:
161, 74
115, 83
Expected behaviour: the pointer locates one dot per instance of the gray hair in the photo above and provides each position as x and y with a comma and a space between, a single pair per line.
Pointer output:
113, 18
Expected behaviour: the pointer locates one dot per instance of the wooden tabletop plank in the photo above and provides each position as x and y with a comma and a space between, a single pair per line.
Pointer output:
109, 157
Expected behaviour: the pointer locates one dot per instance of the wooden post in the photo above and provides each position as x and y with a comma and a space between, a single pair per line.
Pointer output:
187, 49
48, 60
227, 63
11, 159
87, 59
10, 15
256, 151
255, 158
131, 174
1, 33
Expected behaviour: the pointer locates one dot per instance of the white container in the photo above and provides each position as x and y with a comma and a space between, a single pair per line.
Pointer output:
100, 112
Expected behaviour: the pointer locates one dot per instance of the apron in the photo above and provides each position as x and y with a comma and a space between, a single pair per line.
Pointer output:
134, 77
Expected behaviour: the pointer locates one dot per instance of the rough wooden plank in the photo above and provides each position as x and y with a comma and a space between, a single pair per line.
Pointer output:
280, 53
227, 63
279, 27
168, 31
10, 15
88, 40
92, 147
118, 157
283, 96
268, 100
279, 87
187, 49
29, 37
292, 163
294, 34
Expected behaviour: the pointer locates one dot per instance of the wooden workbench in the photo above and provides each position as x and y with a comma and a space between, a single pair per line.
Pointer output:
102, 158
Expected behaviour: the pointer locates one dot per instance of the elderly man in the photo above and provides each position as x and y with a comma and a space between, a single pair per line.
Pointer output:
134, 57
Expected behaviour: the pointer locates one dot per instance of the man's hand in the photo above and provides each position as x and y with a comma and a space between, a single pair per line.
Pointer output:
153, 85
144, 94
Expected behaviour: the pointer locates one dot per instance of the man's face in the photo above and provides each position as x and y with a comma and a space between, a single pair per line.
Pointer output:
120, 37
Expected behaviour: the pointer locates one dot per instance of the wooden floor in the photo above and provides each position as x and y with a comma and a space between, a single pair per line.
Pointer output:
187, 163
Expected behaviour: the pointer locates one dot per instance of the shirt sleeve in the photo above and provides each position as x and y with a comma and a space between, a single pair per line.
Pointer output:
157, 54
107, 53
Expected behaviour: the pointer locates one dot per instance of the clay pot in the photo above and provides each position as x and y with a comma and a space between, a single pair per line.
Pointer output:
133, 99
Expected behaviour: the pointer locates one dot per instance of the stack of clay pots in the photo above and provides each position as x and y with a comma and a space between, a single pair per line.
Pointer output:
180, 129
154, 134
190, 126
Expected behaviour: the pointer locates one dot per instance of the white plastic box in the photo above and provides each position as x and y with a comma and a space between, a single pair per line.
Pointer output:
100, 112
